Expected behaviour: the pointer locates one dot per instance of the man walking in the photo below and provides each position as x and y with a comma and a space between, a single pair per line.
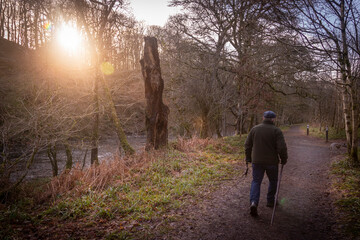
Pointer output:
264, 147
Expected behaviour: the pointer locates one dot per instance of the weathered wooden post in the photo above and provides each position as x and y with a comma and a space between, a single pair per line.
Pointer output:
307, 130
156, 112
327, 134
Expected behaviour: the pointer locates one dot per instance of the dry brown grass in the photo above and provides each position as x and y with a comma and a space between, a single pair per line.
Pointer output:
97, 178
193, 144
113, 172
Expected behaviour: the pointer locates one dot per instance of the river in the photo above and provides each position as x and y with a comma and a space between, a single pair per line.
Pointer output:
108, 149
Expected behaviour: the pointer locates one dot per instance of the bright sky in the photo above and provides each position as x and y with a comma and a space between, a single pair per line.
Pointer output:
153, 12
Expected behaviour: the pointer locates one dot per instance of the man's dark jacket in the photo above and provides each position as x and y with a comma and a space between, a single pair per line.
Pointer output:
265, 144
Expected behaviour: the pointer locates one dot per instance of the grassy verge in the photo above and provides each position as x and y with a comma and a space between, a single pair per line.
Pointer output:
133, 197
333, 132
347, 187
284, 127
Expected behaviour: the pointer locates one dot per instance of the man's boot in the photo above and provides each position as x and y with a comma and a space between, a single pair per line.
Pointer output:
271, 204
253, 209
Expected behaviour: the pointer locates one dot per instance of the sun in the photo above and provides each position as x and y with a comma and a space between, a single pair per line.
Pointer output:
69, 38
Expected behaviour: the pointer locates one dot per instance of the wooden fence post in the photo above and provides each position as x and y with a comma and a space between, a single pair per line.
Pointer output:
307, 130
327, 134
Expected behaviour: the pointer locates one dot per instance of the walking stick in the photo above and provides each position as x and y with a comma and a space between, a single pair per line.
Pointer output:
277, 194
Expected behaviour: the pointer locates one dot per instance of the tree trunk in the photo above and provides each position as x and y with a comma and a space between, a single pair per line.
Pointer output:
320, 116
355, 125
36, 27
26, 38
241, 125
51, 152
242, 122
251, 122
84, 159
347, 117
220, 121
352, 89
69, 159
95, 135
334, 115
237, 125
119, 130
238, 121
345, 75
224, 123
204, 131
2, 18
8, 22
156, 112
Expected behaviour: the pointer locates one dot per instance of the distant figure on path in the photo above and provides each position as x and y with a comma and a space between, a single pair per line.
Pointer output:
264, 147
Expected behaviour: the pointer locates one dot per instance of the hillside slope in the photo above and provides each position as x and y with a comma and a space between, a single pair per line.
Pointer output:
12, 57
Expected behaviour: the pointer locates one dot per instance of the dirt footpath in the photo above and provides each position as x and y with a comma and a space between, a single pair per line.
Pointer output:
305, 210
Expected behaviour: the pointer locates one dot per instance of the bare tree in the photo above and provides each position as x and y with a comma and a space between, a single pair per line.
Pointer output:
104, 10
245, 65
330, 30
156, 111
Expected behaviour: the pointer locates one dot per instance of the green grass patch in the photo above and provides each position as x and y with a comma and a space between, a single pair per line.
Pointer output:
284, 127
333, 132
348, 203
166, 184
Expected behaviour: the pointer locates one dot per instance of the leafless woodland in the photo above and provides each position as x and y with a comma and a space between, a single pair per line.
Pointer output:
223, 62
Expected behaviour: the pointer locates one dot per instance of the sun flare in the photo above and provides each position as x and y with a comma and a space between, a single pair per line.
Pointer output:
69, 38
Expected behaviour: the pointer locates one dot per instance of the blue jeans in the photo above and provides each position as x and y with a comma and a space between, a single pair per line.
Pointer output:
258, 171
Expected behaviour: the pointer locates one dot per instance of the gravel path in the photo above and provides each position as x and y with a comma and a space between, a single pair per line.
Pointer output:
305, 211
